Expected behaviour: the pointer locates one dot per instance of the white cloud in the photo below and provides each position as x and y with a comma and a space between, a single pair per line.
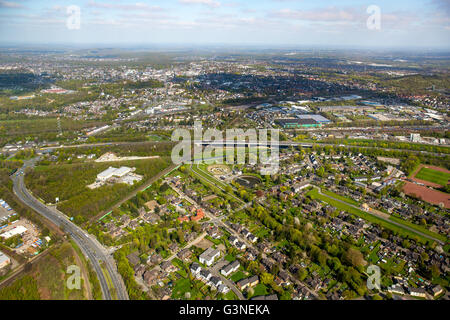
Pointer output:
7, 4
138, 6
208, 3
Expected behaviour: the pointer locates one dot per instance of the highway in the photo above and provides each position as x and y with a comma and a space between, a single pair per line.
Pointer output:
219, 143
287, 144
90, 247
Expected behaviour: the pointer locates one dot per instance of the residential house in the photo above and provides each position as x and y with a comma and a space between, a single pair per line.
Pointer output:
185, 254
208, 256
139, 270
437, 290
168, 266
223, 289
173, 247
195, 268
418, 292
230, 268
133, 258
215, 282
248, 282
151, 276
205, 275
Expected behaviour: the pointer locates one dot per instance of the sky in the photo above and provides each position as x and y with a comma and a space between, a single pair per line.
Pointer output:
294, 23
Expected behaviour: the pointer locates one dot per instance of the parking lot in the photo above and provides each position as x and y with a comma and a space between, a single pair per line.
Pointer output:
6, 212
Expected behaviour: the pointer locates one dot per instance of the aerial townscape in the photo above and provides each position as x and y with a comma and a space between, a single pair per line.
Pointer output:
357, 208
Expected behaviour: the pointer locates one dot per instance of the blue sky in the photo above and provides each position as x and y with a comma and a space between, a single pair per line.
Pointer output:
413, 23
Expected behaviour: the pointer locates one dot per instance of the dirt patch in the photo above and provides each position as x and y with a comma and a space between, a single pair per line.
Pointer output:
426, 194
427, 183
204, 244
393, 161
45, 293
380, 213
219, 169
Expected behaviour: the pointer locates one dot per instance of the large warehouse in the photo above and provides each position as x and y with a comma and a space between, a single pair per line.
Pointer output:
19, 230
316, 117
297, 123
113, 172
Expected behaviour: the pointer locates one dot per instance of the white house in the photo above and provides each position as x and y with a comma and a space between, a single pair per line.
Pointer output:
209, 256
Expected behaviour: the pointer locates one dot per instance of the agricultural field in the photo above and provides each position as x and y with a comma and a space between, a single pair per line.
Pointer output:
439, 177
426, 194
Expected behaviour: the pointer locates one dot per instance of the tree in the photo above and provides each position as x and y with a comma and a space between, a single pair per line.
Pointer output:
321, 172
266, 278
180, 235
410, 164
164, 187
354, 257
302, 274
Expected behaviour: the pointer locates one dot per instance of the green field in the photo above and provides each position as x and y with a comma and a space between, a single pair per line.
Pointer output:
259, 290
334, 195
434, 176
237, 276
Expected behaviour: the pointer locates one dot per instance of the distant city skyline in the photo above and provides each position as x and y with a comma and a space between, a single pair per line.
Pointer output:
294, 23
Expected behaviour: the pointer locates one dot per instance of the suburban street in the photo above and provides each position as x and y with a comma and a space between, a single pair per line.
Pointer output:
90, 247
218, 222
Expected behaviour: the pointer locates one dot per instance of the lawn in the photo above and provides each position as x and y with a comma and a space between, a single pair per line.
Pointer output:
181, 287
231, 296
434, 176
334, 195
230, 258
184, 285
259, 290
238, 276
419, 228
373, 256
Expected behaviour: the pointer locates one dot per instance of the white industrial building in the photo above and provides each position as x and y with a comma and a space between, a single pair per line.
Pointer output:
113, 172
19, 230
98, 130
415, 137
120, 175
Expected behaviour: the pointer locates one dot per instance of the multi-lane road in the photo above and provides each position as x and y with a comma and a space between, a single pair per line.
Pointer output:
110, 280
